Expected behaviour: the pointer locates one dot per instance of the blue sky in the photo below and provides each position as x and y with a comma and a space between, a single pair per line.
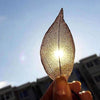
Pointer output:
23, 24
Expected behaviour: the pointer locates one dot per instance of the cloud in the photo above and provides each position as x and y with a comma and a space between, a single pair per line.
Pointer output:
2, 18
3, 84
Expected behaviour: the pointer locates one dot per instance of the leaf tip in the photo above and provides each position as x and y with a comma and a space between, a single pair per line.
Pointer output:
61, 13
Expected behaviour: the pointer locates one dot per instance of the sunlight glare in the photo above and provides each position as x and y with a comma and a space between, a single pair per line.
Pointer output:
58, 54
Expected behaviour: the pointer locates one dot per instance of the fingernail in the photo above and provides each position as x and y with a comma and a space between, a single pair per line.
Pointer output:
73, 81
84, 92
81, 92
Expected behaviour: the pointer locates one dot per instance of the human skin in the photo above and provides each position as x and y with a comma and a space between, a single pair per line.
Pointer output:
61, 90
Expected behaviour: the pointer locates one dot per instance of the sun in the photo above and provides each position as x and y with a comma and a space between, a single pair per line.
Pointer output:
58, 54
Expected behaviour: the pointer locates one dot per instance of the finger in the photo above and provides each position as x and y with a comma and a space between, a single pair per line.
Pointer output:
61, 89
85, 95
75, 86
48, 94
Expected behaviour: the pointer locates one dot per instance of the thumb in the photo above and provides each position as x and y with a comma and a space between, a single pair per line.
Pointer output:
61, 89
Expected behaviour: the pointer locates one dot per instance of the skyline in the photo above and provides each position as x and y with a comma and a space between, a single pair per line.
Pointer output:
23, 25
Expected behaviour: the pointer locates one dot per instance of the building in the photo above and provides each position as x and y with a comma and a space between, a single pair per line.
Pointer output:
87, 71
90, 71
76, 76
7, 93
28, 91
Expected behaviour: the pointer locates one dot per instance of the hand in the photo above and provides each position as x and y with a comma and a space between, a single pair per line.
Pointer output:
61, 90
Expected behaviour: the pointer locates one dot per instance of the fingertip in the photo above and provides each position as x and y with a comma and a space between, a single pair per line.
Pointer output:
85, 92
61, 89
85, 95
75, 86
88, 92
77, 82
60, 84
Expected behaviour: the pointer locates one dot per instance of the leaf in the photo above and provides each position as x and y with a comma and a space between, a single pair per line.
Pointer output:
58, 40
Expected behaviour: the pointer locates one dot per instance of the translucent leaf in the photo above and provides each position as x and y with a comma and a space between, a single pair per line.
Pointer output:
57, 49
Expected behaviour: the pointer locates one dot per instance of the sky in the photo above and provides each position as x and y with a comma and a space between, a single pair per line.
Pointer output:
23, 24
